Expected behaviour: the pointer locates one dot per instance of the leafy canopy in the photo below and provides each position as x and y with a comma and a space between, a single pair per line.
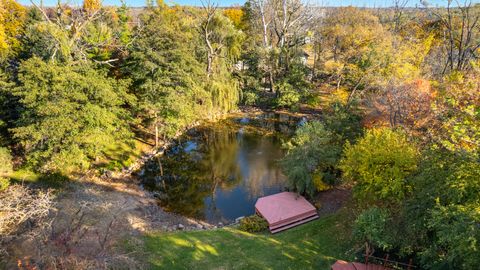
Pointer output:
69, 115
379, 163
310, 163
371, 227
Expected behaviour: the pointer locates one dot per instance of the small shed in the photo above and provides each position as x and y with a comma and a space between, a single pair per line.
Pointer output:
285, 210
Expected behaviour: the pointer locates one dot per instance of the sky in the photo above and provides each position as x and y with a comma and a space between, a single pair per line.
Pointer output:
224, 3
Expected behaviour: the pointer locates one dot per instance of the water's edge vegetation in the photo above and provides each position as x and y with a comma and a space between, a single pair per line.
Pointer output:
128, 136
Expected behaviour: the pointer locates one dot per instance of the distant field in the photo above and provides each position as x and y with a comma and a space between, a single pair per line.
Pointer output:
315, 245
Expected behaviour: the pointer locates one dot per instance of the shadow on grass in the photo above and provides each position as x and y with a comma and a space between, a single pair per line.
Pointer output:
39, 180
315, 245
122, 155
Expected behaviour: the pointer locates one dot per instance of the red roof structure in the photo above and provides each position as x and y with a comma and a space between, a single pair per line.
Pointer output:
285, 210
343, 265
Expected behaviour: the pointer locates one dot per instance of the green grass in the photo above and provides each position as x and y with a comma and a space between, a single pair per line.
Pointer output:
29, 177
24, 175
120, 155
315, 245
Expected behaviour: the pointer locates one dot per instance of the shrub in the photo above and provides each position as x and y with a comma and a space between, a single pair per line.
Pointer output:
320, 181
5, 161
250, 98
312, 158
287, 96
343, 122
254, 223
114, 165
379, 164
313, 100
4, 183
371, 227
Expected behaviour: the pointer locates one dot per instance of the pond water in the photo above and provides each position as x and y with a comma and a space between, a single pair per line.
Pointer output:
216, 172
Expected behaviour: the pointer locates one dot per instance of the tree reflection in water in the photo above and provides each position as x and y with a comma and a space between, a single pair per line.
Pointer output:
216, 172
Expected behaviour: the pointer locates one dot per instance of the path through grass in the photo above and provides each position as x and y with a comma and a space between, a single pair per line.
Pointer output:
315, 245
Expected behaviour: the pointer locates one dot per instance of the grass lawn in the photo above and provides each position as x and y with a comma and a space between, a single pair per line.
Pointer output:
29, 177
315, 245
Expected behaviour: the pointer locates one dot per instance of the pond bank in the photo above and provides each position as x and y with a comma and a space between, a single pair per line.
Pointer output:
92, 217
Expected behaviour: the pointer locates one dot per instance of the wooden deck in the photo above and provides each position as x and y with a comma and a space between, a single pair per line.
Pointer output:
343, 265
285, 210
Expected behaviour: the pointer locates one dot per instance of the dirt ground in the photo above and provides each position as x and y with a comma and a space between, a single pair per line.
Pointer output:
330, 201
91, 227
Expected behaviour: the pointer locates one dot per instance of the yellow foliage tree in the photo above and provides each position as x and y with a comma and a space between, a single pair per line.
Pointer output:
92, 5
12, 17
235, 15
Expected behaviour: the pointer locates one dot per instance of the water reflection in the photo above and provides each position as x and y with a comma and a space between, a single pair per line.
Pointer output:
217, 172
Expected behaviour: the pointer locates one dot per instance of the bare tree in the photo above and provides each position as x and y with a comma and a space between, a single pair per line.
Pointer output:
398, 13
73, 24
283, 24
22, 207
209, 9
461, 26
263, 9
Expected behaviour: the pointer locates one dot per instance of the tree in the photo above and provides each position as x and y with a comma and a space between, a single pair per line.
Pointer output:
124, 33
236, 16
222, 40
92, 5
371, 228
167, 76
379, 164
68, 36
457, 114
12, 17
313, 154
459, 28
282, 26
69, 114
443, 212
351, 49
406, 104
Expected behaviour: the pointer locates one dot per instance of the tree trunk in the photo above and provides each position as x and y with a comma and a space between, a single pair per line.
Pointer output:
209, 65
156, 130
271, 80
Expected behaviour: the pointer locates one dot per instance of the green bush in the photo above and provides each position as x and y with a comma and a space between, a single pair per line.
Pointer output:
379, 164
287, 96
371, 227
4, 183
5, 161
313, 100
254, 223
114, 165
343, 122
311, 162
250, 98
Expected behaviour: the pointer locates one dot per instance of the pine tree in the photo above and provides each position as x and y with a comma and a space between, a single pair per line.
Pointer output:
69, 114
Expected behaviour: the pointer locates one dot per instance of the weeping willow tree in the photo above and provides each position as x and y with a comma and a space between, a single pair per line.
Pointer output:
225, 94
221, 48
177, 78
167, 76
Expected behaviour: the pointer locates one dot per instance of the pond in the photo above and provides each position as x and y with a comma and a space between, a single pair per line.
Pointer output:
216, 172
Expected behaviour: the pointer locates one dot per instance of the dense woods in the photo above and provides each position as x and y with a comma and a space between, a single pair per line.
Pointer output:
395, 93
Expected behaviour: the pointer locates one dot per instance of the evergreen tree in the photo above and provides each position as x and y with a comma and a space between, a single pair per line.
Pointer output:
69, 114
167, 77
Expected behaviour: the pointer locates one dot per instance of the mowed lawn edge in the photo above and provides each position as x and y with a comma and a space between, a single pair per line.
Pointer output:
315, 245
